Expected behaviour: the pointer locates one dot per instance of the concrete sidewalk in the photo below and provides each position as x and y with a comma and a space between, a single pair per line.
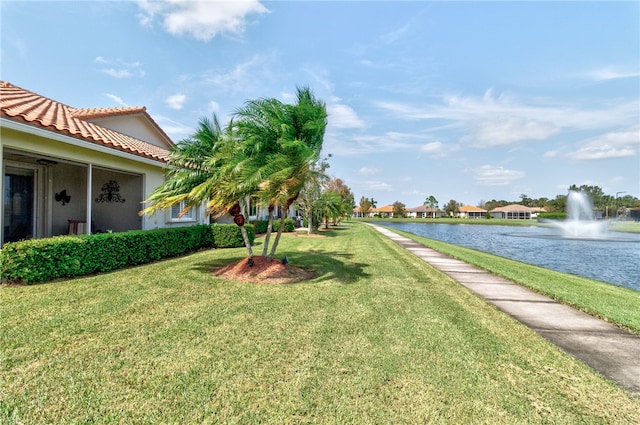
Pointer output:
606, 348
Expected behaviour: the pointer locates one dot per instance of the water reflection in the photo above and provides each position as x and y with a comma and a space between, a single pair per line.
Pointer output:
615, 260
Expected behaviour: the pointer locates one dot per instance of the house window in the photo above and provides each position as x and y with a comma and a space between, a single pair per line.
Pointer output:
253, 207
177, 209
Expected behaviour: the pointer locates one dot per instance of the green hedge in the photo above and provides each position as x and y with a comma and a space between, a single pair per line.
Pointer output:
41, 260
552, 216
230, 235
261, 225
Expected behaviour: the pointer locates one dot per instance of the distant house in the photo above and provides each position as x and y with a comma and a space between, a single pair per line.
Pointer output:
423, 211
76, 170
386, 211
358, 213
469, 211
516, 212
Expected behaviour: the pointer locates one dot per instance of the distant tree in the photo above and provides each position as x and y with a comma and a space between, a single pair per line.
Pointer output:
541, 202
365, 206
431, 202
452, 208
374, 203
595, 193
558, 204
331, 206
525, 200
399, 209
309, 199
346, 200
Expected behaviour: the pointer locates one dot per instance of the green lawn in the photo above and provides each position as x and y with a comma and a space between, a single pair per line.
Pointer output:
378, 337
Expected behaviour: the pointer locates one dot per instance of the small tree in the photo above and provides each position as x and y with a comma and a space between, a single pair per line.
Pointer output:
399, 210
452, 208
309, 198
365, 206
431, 202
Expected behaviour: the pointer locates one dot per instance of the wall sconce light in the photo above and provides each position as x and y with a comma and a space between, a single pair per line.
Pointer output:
63, 197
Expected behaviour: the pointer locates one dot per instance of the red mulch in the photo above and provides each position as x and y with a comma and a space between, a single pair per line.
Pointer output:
263, 271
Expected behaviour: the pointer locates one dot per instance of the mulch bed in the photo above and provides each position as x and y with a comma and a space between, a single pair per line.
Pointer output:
263, 271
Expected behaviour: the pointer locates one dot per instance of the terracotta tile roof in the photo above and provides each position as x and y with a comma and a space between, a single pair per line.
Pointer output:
471, 208
23, 106
385, 209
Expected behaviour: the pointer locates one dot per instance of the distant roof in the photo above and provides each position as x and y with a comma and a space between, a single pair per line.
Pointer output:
471, 208
517, 208
26, 107
385, 209
422, 208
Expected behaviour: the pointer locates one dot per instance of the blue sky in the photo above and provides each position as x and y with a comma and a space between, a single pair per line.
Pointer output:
470, 101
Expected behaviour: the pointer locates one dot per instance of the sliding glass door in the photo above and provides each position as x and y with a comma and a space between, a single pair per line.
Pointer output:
19, 204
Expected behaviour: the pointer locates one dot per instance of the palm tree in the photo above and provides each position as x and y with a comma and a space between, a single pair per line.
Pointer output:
259, 126
308, 120
199, 171
283, 143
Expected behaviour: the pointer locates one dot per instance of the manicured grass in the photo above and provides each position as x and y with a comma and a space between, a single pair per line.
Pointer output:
378, 337
625, 226
613, 303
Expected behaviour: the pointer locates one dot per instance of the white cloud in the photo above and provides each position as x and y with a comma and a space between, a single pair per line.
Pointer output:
245, 75
509, 131
202, 20
174, 129
610, 145
367, 171
502, 120
488, 175
116, 99
378, 185
611, 73
214, 106
438, 149
176, 101
343, 116
551, 154
119, 68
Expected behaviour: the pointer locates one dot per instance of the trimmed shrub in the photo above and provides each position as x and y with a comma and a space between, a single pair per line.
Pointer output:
552, 216
289, 225
230, 235
261, 225
41, 260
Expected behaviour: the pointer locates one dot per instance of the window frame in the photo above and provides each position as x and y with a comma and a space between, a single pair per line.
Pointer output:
189, 216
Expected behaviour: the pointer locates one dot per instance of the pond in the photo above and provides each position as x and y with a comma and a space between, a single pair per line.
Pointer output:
613, 260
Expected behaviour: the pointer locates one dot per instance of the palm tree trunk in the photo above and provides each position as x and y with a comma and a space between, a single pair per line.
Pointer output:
265, 248
243, 230
281, 227
275, 242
